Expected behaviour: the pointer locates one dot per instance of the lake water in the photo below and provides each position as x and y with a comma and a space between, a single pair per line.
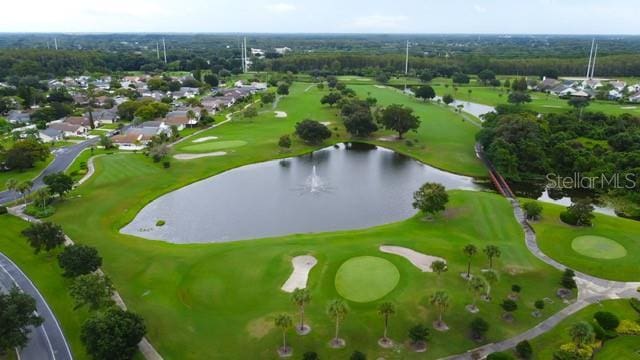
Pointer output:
356, 186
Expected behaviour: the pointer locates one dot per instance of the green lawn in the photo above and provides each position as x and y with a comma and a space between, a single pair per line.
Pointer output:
21, 176
43, 270
555, 239
444, 140
200, 296
617, 349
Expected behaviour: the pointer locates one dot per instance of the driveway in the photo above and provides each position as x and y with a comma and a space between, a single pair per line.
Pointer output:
47, 340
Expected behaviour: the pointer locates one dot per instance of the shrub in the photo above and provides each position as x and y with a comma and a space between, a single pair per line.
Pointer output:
500, 356
524, 350
166, 164
3, 210
567, 280
160, 223
628, 327
312, 131
38, 211
635, 304
310, 355
533, 210
358, 355
572, 352
78, 260
479, 327
607, 320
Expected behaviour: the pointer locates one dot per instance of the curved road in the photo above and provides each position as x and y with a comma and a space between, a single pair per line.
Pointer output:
63, 158
47, 340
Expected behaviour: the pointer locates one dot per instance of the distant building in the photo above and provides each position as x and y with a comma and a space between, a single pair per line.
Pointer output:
18, 117
282, 50
51, 135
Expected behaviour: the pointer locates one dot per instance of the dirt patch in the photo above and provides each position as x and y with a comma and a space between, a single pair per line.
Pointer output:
197, 156
258, 328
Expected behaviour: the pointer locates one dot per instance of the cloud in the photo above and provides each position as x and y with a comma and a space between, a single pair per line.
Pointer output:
280, 8
480, 9
379, 22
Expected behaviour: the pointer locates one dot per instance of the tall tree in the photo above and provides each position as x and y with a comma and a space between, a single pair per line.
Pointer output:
78, 259
439, 267
579, 103
113, 334
477, 286
301, 297
470, 251
44, 236
94, 291
337, 310
440, 300
581, 333
425, 92
59, 183
12, 185
491, 277
24, 188
386, 309
399, 119
284, 322
17, 318
492, 251
430, 198
42, 197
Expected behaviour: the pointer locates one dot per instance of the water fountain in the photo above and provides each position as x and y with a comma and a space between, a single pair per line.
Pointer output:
314, 183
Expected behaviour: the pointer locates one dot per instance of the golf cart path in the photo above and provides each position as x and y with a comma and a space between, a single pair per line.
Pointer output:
591, 289
145, 347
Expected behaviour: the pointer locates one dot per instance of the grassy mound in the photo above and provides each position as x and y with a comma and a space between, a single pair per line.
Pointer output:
598, 247
366, 278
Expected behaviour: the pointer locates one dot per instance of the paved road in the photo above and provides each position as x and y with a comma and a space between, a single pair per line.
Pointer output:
63, 158
46, 341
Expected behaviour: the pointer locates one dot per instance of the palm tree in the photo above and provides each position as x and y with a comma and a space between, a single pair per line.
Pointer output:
470, 250
284, 322
337, 310
478, 286
42, 196
492, 251
24, 188
440, 300
12, 185
438, 267
301, 297
581, 333
385, 310
491, 277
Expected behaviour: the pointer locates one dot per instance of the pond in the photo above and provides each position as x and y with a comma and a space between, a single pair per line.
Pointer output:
349, 186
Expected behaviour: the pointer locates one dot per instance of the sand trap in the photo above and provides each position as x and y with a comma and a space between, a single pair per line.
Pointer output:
302, 265
629, 107
420, 260
280, 114
326, 123
380, 86
552, 106
388, 138
197, 156
206, 138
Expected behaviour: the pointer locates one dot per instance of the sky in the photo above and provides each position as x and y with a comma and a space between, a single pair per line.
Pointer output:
324, 16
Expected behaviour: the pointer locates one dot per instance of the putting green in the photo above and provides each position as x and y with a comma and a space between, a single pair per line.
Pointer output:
366, 278
598, 247
214, 145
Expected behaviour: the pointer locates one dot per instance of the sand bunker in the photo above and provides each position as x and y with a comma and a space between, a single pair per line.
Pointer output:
280, 114
420, 260
380, 86
388, 138
629, 107
206, 138
302, 265
197, 156
326, 123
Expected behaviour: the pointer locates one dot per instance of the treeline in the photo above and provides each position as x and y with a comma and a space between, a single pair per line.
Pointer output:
364, 64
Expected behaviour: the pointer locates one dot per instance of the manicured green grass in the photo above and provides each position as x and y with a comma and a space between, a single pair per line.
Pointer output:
598, 247
208, 297
444, 140
212, 145
617, 349
366, 278
555, 239
21, 176
43, 270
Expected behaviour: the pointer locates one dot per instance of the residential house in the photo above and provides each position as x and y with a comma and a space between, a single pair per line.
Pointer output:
547, 84
19, 117
592, 84
181, 118
635, 98
56, 84
69, 129
104, 116
155, 95
77, 120
257, 52
632, 89
614, 94
103, 83
618, 85
50, 135
80, 99
185, 92
131, 141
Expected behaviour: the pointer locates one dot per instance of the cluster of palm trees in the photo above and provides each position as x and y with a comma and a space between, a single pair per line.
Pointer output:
24, 188
337, 310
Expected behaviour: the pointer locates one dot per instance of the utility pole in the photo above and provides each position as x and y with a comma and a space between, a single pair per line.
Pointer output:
164, 48
55, 43
593, 66
158, 50
590, 56
246, 68
406, 67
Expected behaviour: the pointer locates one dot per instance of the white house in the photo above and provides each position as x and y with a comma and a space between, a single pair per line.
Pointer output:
50, 135
635, 97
